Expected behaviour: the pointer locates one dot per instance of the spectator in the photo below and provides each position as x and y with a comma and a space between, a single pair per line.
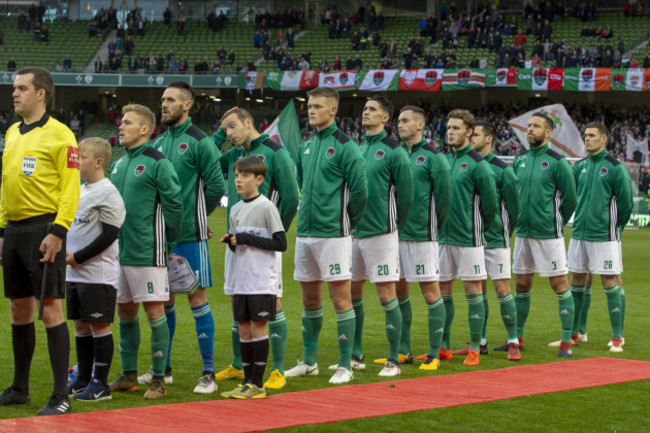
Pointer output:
98, 65
483, 63
520, 39
180, 27
257, 39
182, 66
221, 54
37, 32
337, 63
67, 63
303, 65
290, 37
172, 65
231, 57
349, 63
167, 17
358, 63
128, 46
59, 66
216, 68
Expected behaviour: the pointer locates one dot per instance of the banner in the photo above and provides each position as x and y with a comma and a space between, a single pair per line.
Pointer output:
286, 130
461, 79
587, 79
501, 77
339, 80
421, 79
378, 80
252, 80
565, 139
292, 80
220, 81
636, 150
540, 79
628, 79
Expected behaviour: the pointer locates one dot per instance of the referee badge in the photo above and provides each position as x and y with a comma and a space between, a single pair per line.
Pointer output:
29, 165
330, 152
420, 160
603, 171
379, 154
139, 169
182, 148
463, 167
544, 165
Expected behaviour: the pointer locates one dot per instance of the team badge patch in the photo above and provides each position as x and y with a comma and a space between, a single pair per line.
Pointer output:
379, 154
420, 160
603, 171
544, 165
330, 152
29, 165
182, 148
139, 169
73, 157
463, 167
260, 157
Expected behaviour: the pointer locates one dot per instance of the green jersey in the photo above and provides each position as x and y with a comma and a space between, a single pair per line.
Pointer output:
154, 210
390, 186
332, 179
498, 233
431, 194
196, 162
474, 199
604, 198
547, 193
279, 184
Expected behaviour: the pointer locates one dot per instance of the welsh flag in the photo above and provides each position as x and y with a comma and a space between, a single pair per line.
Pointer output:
501, 77
540, 79
587, 79
292, 80
461, 79
339, 80
285, 129
421, 79
565, 139
628, 79
252, 80
378, 80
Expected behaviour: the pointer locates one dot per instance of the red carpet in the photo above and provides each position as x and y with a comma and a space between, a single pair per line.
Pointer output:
334, 404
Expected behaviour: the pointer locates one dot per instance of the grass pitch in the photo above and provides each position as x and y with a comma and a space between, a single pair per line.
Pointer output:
619, 408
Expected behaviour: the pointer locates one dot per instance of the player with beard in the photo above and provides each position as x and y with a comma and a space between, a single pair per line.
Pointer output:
196, 161
547, 197
473, 207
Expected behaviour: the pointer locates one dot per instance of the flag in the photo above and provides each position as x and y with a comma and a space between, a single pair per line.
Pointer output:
285, 129
421, 79
540, 79
565, 139
628, 79
501, 77
292, 80
339, 80
636, 150
646, 79
252, 80
378, 80
587, 79
460, 79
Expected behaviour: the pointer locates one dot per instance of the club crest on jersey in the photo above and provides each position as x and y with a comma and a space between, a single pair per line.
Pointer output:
544, 165
603, 171
330, 152
182, 148
29, 165
463, 167
139, 169
260, 157
420, 160
379, 154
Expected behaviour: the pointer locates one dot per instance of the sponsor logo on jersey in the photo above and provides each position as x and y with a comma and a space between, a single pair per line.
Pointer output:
544, 165
139, 169
584, 170
463, 167
603, 171
29, 165
330, 152
306, 152
420, 160
379, 154
260, 157
73, 157
182, 148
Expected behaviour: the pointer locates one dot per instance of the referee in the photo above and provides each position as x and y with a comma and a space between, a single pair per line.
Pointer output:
38, 200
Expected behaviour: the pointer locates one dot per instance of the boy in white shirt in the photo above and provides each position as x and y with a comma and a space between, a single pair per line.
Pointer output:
257, 238
92, 256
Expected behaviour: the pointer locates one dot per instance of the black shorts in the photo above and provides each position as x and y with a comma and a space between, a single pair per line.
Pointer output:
23, 271
258, 308
92, 303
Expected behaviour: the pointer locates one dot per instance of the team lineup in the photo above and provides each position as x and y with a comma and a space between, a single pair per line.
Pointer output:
391, 212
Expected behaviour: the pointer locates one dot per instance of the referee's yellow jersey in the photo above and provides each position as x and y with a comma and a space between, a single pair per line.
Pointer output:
40, 172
